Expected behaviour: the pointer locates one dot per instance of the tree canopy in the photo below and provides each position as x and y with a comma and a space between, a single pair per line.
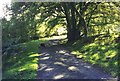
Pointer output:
81, 19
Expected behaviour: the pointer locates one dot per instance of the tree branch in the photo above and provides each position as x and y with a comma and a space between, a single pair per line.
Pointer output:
86, 7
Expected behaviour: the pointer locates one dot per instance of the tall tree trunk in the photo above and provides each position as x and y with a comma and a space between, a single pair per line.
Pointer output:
67, 14
73, 22
83, 22
73, 31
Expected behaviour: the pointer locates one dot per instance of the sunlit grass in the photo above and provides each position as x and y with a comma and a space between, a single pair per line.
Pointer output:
55, 37
99, 52
23, 65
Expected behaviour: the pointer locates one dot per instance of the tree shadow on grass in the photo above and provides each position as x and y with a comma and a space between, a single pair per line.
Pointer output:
99, 52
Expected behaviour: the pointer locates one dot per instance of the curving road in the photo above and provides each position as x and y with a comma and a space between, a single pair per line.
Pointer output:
56, 62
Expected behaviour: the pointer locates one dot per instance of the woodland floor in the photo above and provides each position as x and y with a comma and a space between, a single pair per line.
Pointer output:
56, 62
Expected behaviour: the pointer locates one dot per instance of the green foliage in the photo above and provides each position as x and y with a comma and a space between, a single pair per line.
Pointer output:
104, 20
100, 51
22, 63
96, 17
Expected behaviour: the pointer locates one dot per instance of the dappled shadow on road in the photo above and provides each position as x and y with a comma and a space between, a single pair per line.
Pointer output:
56, 62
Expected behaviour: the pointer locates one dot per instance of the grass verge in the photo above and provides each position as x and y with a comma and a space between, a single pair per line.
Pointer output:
102, 51
21, 61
